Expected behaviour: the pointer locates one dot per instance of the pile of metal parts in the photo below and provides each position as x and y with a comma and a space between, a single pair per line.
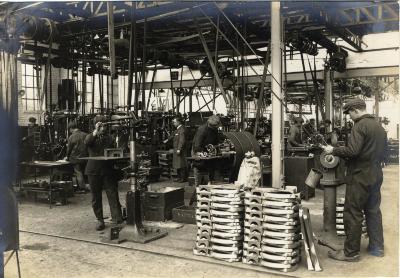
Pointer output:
339, 219
272, 228
219, 218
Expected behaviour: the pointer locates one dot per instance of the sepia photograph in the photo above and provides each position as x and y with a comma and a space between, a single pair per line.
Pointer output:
199, 139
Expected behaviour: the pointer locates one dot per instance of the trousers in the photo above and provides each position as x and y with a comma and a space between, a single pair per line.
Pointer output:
362, 198
79, 169
109, 184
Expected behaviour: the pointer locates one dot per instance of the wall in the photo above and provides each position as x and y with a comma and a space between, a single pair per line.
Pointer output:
24, 115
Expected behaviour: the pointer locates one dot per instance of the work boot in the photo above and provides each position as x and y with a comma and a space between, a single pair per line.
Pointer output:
341, 256
377, 252
100, 225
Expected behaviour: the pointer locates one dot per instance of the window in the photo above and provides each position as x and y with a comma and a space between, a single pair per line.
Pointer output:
89, 89
31, 99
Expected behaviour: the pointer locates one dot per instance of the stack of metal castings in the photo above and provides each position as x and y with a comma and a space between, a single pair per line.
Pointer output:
339, 219
253, 224
272, 228
281, 246
219, 217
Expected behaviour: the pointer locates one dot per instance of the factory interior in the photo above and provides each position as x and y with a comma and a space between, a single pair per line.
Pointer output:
199, 139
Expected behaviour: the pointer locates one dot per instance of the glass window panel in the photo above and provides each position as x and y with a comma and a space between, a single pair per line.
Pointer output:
29, 93
30, 105
30, 82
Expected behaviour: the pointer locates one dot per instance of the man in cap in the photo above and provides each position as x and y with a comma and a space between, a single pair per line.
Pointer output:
76, 149
365, 151
294, 138
102, 175
206, 134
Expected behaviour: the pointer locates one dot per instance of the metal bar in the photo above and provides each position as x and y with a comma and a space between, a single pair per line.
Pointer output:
111, 38
84, 80
207, 103
93, 86
276, 69
214, 69
144, 65
328, 86
172, 89
216, 60
151, 89
261, 90
101, 93
305, 77
107, 99
316, 90
130, 63
135, 65
236, 50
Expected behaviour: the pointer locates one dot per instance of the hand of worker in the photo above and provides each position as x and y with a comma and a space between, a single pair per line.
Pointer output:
178, 151
97, 128
165, 141
328, 149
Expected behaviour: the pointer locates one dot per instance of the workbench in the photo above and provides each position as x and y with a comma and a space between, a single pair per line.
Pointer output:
50, 189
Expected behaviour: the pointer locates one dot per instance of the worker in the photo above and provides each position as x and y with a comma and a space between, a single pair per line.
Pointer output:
179, 145
205, 135
29, 140
294, 139
365, 151
102, 175
76, 149
310, 128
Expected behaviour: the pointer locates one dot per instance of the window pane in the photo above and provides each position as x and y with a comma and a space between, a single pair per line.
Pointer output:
88, 87
29, 81
29, 93
30, 105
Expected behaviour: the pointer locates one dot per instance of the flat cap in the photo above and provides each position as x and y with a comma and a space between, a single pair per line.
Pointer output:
298, 120
354, 103
214, 120
99, 118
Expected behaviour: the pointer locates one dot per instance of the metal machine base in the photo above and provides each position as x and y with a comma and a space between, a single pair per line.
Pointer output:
143, 235
134, 230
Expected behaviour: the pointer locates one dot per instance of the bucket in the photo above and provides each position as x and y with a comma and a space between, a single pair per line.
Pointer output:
313, 178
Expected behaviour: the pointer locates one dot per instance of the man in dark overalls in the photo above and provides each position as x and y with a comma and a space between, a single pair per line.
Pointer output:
206, 134
101, 175
365, 151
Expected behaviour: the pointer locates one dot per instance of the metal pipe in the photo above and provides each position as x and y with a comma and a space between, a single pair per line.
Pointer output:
130, 64
329, 216
135, 64
144, 66
328, 95
111, 38
261, 90
213, 65
276, 68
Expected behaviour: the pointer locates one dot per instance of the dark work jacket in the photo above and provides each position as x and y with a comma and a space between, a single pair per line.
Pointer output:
76, 147
95, 146
294, 138
204, 136
366, 149
179, 143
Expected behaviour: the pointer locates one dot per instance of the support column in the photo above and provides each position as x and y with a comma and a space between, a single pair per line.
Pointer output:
276, 81
329, 215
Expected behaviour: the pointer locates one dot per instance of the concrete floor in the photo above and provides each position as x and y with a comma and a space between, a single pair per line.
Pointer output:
61, 242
